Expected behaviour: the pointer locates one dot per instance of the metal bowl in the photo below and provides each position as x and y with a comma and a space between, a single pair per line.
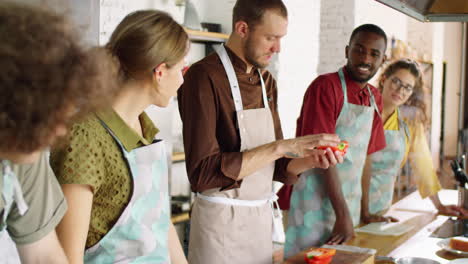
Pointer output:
408, 260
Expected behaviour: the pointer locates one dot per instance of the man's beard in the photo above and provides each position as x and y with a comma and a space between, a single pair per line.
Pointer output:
249, 51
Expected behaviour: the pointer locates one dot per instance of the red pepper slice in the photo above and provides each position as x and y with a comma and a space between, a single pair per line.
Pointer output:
319, 255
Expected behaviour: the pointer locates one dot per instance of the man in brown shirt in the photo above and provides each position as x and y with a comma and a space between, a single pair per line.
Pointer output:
233, 140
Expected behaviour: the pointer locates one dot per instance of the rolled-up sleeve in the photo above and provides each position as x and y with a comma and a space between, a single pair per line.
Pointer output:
45, 199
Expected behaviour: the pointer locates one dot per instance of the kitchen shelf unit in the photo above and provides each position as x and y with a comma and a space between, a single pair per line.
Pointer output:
208, 39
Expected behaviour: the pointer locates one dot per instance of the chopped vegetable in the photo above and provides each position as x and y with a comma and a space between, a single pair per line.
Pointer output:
320, 255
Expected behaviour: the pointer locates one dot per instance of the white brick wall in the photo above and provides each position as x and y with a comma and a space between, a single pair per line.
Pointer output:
336, 25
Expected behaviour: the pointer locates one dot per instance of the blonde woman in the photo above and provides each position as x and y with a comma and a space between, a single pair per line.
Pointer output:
401, 85
113, 171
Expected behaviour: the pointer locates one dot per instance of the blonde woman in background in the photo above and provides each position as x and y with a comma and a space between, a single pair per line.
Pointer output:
113, 171
401, 84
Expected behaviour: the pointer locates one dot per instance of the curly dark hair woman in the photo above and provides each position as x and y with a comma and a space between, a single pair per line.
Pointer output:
46, 78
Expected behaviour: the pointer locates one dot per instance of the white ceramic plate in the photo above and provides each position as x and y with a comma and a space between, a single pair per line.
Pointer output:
444, 244
459, 261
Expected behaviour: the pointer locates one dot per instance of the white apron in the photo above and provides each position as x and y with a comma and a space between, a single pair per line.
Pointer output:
311, 216
140, 235
235, 226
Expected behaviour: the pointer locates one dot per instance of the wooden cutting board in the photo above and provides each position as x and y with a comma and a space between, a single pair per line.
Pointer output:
340, 258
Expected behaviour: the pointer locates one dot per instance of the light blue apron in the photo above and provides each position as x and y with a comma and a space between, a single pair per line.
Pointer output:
311, 216
386, 167
141, 233
11, 194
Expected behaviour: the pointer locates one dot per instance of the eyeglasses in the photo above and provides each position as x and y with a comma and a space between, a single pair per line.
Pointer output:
397, 84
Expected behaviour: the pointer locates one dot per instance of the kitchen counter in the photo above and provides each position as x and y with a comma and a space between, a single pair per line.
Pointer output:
417, 242
412, 211
419, 213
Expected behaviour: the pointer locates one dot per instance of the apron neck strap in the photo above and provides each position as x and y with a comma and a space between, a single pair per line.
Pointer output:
343, 85
5, 189
264, 93
114, 136
372, 101
345, 94
234, 84
11, 184
403, 124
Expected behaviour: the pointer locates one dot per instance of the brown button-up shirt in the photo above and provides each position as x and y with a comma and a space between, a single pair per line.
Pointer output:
211, 136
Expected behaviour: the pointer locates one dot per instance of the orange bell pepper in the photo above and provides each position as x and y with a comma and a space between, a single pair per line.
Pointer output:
342, 147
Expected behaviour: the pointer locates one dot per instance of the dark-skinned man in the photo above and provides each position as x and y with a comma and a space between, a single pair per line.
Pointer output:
325, 203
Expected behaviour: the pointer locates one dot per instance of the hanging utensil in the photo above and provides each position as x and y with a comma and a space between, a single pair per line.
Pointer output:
462, 161
465, 164
457, 171
462, 171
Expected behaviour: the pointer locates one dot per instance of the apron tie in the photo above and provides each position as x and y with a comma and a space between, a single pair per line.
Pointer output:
278, 228
277, 218
17, 191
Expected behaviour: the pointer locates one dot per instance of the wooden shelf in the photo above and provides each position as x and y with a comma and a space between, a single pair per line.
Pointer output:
206, 37
179, 218
178, 156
